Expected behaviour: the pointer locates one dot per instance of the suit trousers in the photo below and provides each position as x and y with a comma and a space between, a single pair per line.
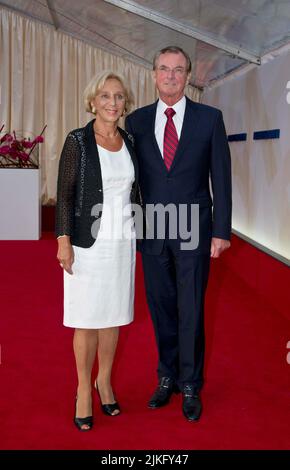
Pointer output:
175, 283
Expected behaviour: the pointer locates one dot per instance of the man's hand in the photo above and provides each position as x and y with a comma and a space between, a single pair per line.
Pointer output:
65, 254
218, 245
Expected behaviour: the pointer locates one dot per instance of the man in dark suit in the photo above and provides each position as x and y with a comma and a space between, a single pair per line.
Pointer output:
181, 146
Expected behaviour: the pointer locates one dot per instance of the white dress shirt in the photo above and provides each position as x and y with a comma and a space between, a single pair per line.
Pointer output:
161, 119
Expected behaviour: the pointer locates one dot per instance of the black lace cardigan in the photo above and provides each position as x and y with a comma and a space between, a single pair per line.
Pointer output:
79, 185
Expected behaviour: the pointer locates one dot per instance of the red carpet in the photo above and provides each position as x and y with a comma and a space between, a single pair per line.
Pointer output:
247, 390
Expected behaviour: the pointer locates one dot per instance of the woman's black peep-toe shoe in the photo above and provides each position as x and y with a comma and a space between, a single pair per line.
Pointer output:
80, 422
109, 408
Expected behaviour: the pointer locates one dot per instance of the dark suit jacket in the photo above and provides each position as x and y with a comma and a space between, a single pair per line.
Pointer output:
80, 186
202, 155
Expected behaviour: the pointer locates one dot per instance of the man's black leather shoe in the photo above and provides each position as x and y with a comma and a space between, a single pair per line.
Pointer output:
163, 392
191, 404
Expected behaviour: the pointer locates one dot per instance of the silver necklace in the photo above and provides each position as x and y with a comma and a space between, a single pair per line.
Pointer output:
107, 136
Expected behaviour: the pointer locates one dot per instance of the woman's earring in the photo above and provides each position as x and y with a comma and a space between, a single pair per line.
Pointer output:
93, 109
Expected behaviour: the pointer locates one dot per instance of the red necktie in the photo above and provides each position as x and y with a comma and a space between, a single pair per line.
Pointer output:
170, 138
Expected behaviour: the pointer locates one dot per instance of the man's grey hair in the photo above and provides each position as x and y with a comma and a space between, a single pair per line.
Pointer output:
173, 50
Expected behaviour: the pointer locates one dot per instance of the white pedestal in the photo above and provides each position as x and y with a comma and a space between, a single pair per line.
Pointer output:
20, 206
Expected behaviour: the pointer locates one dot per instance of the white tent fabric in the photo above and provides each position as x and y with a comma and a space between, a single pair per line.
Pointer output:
219, 35
43, 74
45, 64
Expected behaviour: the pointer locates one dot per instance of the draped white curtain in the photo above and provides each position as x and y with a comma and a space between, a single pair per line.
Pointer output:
43, 74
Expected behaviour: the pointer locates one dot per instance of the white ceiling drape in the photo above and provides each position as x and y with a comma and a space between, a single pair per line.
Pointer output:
42, 76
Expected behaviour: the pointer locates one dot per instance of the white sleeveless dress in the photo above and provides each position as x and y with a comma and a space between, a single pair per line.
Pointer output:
100, 292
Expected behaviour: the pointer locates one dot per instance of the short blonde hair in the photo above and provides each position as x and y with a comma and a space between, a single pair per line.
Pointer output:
97, 83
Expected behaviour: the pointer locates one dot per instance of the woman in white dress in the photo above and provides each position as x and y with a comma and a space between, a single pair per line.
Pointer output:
97, 183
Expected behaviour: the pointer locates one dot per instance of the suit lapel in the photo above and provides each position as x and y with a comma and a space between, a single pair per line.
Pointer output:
189, 128
157, 152
131, 150
91, 148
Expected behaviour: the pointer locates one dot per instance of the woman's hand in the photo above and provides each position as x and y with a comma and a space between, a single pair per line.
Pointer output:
65, 253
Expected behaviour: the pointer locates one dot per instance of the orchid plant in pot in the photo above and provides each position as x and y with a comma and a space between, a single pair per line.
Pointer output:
19, 152
20, 191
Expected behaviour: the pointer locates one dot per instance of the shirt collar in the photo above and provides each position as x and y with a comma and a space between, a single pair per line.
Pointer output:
178, 107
